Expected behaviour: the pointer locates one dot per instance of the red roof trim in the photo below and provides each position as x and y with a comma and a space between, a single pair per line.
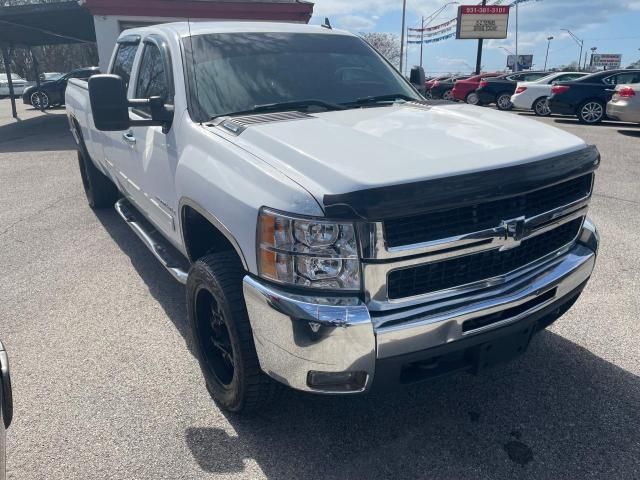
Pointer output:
202, 9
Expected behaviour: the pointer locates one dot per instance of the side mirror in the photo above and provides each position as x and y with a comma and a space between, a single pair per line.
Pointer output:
109, 105
416, 78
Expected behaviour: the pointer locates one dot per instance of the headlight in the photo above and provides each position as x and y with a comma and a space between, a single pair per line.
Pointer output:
307, 252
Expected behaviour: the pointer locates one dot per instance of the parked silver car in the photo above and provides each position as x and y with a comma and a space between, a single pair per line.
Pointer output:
625, 103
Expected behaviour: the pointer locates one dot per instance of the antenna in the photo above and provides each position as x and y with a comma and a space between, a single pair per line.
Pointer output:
327, 23
193, 63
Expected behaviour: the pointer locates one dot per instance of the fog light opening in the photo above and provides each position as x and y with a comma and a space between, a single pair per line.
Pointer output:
337, 381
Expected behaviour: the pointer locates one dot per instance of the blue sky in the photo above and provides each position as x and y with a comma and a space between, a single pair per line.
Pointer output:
613, 26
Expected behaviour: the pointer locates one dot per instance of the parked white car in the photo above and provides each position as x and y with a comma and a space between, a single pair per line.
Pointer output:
625, 103
19, 84
533, 95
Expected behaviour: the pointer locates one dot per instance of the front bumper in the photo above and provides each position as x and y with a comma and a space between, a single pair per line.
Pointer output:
520, 101
295, 335
561, 108
486, 97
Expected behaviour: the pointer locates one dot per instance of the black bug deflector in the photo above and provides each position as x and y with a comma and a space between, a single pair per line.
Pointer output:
407, 199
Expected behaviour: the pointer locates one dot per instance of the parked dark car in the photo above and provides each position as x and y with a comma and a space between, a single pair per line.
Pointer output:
51, 93
6, 407
498, 90
442, 88
587, 97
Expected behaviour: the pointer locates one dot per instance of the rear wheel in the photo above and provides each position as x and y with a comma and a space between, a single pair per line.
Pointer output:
473, 99
222, 336
428, 94
100, 191
541, 107
40, 100
503, 101
591, 112
447, 95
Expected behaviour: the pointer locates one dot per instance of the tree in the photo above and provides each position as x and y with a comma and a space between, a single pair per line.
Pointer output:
51, 58
387, 44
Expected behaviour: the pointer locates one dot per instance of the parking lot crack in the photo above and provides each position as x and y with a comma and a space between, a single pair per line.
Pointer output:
611, 197
34, 214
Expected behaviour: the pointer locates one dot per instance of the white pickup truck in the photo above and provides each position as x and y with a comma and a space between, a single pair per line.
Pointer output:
335, 232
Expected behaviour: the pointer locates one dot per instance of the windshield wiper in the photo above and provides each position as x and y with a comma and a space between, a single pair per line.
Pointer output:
293, 105
381, 98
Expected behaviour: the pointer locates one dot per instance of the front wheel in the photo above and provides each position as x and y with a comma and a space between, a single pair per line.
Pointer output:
591, 112
541, 107
503, 101
222, 336
40, 100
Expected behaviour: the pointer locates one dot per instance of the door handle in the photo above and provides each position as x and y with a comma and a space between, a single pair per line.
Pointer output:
129, 138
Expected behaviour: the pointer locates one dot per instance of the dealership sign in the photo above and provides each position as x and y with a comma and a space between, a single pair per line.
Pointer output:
524, 62
609, 60
482, 21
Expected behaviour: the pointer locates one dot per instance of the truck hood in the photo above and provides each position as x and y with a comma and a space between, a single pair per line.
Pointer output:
344, 151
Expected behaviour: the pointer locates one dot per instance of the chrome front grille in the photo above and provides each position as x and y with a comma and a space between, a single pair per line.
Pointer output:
435, 276
470, 248
479, 216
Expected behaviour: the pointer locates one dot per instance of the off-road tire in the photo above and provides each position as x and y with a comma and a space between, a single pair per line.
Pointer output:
219, 275
100, 190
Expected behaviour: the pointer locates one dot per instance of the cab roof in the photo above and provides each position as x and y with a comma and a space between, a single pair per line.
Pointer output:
185, 29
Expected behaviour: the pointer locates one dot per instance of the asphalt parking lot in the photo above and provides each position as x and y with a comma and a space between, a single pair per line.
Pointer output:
105, 384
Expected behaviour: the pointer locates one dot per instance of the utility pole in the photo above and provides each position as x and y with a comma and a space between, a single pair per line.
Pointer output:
7, 69
479, 54
404, 13
516, 63
546, 57
421, 38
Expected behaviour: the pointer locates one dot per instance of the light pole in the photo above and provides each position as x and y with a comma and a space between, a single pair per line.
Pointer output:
578, 41
427, 20
404, 13
546, 57
515, 69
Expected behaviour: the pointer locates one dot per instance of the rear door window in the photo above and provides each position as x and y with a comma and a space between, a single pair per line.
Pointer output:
123, 62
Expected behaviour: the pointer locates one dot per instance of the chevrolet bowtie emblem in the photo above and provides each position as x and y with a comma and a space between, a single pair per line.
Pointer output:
513, 232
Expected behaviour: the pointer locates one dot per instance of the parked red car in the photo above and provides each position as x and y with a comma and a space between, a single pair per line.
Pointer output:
429, 83
465, 90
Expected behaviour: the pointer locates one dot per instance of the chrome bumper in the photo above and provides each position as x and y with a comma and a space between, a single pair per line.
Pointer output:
296, 334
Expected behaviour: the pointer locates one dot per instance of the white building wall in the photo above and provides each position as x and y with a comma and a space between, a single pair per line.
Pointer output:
108, 29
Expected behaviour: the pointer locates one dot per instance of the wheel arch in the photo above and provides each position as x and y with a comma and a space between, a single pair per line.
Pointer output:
215, 236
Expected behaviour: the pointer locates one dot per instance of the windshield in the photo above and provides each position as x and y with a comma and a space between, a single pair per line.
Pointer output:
236, 72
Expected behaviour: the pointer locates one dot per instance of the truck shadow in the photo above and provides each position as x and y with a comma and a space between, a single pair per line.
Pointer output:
558, 412
162, 286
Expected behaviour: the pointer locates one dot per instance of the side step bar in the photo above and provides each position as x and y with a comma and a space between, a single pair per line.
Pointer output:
169, 257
